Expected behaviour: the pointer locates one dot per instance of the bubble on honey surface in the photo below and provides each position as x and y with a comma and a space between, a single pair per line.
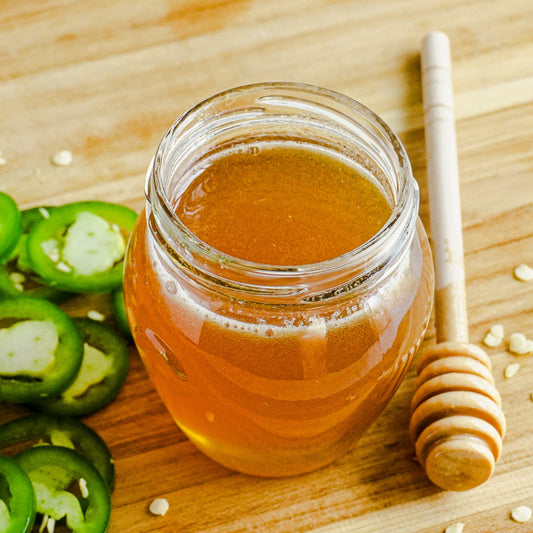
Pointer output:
171, 287
253, 150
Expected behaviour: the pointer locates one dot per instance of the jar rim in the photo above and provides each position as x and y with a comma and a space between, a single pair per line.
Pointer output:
399, 222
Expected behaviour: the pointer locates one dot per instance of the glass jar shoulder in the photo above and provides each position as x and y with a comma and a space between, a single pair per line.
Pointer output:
160, 284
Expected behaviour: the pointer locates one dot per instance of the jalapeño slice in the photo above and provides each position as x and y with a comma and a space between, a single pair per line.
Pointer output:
80, 246
119, 313
17, 498
41, 429
28, 217
16, 276
102, 373
67, 486
10, 226
14, 283
40, 350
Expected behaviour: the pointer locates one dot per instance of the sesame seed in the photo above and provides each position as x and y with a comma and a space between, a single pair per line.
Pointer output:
523, 272
17, 277
63, 267
511, 370
518, 344
62, 158
83, 488
521, 514
96, 315
159, 506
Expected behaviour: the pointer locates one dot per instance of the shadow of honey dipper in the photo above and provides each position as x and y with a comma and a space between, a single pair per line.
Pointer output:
457, 423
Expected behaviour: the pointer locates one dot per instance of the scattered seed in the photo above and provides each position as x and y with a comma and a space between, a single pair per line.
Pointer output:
63, 267
54, 256
50, 525
491, 341
96, 315
494, 336
518, 344
497, 330
521, 514
44, 212
17, 277
159, 507
62, 158
455, 528
523, 272
511, 370
84, 491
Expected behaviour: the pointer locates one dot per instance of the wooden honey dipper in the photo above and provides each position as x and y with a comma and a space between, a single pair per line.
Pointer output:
457, 423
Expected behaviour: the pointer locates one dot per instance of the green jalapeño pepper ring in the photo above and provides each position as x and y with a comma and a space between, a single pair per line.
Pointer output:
119, 313
41, 350
10, 226
40, 429
67, 486
17, 498
103, 371
14, 283
16, 275
80, 246
28, 217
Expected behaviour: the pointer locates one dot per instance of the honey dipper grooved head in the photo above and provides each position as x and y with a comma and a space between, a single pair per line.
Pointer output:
454, 381
455, 363
450, 349
459, 464
457, 423
456, 403
457, 426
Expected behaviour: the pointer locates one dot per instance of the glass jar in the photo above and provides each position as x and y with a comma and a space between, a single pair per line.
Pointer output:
274, 370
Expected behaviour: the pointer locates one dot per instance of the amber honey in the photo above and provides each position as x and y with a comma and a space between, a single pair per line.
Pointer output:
283, 205
270, 354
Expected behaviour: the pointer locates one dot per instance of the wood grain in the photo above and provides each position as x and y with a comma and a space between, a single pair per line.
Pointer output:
106, 79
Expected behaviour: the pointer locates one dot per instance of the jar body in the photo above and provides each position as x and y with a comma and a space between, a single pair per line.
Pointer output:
274, 386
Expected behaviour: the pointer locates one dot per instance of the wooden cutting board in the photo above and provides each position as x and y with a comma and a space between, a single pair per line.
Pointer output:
106, 79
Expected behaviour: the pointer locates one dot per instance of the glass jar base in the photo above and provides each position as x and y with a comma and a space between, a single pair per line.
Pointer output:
271, 463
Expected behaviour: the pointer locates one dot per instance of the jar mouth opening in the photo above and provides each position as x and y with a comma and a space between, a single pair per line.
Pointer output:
337, 107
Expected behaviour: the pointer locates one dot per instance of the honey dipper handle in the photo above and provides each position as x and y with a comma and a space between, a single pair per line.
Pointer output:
443, 186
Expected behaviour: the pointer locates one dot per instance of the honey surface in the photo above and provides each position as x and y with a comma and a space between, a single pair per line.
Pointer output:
283, 206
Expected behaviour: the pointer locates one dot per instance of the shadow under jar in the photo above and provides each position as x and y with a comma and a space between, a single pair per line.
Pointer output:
279, 281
